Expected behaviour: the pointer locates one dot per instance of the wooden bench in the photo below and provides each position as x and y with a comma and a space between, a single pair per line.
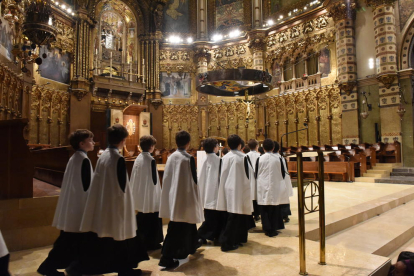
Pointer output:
391, 153
344, 169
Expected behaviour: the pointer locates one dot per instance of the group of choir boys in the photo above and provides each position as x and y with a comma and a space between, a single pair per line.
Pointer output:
108, 222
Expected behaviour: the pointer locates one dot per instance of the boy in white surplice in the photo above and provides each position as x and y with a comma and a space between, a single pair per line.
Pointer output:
146, 190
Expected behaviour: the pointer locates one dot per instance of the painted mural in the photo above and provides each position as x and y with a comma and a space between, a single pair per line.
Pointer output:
6, 44
175, 86
56, 66
325, 62
176, 16
406, 9
229, 13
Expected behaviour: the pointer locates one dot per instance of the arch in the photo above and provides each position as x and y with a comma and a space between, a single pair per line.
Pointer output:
406, 44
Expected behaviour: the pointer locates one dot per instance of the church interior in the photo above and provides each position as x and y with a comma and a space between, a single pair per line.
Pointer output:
334, 77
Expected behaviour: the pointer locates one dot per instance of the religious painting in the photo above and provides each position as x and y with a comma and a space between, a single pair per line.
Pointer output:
112, 29
56, 66
175, 85
131, 42
229, 13
276, 73
176, 16
325, 62
6, 44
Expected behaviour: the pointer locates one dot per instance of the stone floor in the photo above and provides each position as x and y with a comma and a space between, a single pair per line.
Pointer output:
263, 255
41, 189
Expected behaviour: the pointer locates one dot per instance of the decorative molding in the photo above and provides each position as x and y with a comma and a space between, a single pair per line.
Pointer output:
347, 87
377, 3
387, 80
79, 93
342, 10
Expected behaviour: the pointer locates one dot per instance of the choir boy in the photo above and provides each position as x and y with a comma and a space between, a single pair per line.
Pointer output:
285, 174
4, 257
234, 196
208, 182
146, 190
112, 244
71, 203
270, 189
181, 204
253, 156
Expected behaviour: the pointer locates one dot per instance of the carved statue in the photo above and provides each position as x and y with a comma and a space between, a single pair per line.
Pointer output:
158, 16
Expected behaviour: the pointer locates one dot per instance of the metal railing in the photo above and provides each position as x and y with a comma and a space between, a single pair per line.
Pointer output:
320, 207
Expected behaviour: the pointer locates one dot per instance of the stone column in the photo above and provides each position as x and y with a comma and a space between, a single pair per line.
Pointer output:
257, 14
202, 31
386, 62
80, 99
202, 55
343, 13
257, 46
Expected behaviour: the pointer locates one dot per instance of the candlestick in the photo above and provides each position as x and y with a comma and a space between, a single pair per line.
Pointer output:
110, 66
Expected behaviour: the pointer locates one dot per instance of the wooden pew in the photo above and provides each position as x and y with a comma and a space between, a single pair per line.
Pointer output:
344, 169
391, 153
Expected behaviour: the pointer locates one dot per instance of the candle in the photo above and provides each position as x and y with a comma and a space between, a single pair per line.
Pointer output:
143, 61
130, 71
96, 51
111, 54
220, 145
110, 65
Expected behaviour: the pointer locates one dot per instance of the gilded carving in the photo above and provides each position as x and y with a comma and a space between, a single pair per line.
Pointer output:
342, 10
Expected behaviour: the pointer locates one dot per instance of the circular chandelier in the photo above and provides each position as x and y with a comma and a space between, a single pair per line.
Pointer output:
234, 82
38, 23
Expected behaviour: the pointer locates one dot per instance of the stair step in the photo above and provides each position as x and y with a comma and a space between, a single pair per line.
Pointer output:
404, 170
376, 175
402, 174
380, 235
365, 179
348, 218
408, 246
378, 171
397, 180
389, 165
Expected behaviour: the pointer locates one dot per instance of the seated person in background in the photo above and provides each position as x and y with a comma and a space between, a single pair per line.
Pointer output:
71, 203
146, 190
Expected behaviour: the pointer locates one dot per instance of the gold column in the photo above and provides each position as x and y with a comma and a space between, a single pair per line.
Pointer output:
322, 232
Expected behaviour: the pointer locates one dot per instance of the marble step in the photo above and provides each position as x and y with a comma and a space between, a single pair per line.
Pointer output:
347, 218
381, 235
402, 174
408, 246
377, 175
379, 171
407, 180
403, 170
388, 165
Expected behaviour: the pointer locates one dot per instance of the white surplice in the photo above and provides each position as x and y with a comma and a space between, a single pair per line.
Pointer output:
253, 155
146, 194
109, 211
180, 196
271, 187
72, 199
235, 191
208, 180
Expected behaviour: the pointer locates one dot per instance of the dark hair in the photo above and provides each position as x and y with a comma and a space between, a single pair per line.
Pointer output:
225, 151
246, 149
252, 144
116, 134
268, 144
277, 147
234, 141
182, 138
261, 150
78, 136
146, 142
209, 144
242, 143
